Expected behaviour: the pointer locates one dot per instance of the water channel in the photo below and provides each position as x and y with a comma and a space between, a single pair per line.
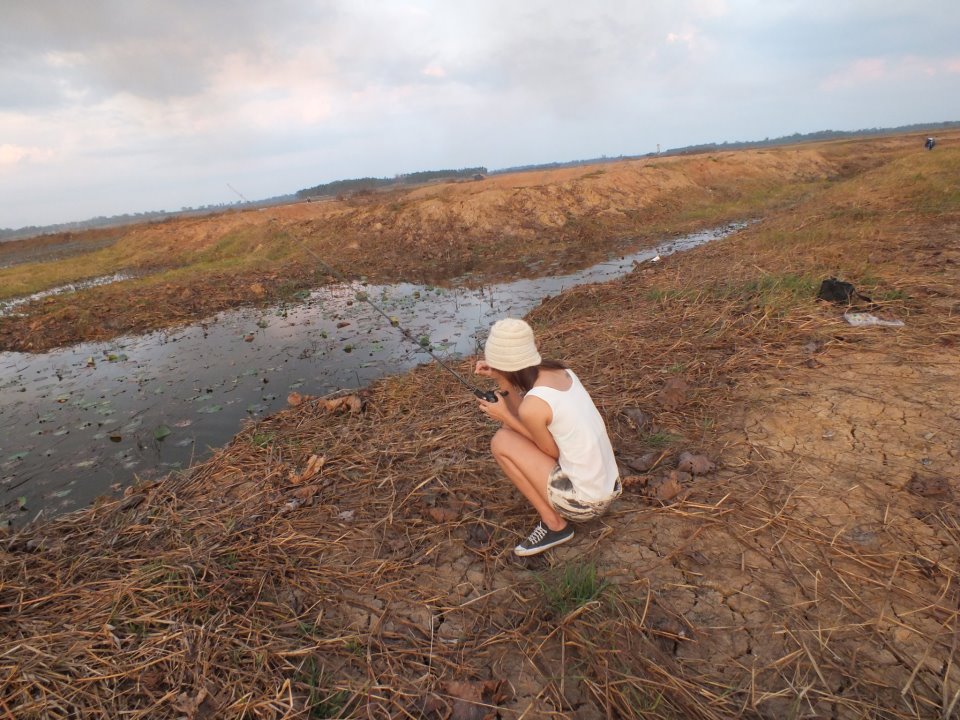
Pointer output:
91, 419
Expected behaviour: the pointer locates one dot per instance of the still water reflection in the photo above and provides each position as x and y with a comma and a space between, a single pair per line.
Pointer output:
87, 420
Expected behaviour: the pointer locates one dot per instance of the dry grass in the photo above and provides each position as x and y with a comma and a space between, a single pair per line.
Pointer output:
184, 270
790, 583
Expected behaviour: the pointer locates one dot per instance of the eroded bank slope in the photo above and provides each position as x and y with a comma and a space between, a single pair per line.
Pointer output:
502, 227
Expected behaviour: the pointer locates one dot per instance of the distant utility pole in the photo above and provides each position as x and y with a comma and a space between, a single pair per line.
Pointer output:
237, 192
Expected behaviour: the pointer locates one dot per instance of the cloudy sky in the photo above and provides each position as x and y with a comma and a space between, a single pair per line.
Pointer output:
115, 106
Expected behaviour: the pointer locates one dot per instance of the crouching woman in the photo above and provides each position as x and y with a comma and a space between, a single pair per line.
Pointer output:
553, 443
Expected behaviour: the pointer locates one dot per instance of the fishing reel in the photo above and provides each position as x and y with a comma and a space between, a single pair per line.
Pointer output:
488, 395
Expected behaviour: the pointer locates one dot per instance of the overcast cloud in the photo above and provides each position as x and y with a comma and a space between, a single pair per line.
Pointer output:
126, 106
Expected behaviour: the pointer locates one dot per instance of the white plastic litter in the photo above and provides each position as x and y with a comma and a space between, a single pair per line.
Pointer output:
864, 319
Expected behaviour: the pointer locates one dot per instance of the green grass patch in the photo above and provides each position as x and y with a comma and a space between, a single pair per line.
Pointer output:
770, 288
772, 292
642, 700
355, 647
247, 247
321, 702
664, 295
261, 440
29, 278
659, 439
747, 199
887, 295
570, 587
878, 290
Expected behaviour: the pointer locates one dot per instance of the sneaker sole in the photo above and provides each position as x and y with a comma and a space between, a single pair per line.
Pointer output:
527, 552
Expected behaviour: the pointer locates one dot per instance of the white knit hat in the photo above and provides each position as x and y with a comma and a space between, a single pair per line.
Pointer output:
510, 346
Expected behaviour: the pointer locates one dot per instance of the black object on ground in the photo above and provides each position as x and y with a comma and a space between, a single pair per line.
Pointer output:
838, 291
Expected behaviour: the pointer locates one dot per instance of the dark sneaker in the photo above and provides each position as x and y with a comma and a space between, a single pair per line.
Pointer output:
543, 538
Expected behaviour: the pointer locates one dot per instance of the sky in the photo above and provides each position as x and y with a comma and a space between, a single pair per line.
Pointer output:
123, 106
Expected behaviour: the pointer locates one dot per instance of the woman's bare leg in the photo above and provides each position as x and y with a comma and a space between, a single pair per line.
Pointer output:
528, 467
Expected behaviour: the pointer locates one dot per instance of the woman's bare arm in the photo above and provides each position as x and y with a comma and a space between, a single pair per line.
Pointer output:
535, 415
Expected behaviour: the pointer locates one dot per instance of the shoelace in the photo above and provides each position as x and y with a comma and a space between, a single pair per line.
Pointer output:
539, 532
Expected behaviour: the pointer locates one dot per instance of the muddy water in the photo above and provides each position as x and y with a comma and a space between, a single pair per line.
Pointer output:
90, 419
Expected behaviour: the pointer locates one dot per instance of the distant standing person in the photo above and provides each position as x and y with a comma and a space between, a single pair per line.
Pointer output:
930, 143
553, 443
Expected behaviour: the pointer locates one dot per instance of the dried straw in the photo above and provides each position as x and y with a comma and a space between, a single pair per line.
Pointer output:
264, 583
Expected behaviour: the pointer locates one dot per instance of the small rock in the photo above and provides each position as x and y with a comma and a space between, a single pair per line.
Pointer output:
294, 399
674, 393
634, 482
638, 417
679, 476
479, 535
862, 535
668, 487
586, 711
695, 464
643, 463
926, 486
443, 514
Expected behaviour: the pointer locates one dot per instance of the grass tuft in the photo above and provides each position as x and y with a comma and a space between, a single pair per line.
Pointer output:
570, 587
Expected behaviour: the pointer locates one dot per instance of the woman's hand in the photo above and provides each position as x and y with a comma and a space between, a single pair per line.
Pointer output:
498, 411
503, 407
483, 369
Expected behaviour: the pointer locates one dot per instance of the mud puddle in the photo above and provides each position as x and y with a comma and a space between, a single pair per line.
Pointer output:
89, 420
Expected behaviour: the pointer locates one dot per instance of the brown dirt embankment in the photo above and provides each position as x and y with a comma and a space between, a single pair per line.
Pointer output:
480, 231
814, 573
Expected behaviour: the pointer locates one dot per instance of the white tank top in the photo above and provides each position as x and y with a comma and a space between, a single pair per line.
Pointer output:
586, 455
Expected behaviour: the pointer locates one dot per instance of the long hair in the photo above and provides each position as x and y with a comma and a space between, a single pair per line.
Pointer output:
525, 378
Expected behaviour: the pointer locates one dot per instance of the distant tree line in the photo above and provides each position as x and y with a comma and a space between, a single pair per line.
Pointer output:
103, 221
343, 187
354, 185
818, 136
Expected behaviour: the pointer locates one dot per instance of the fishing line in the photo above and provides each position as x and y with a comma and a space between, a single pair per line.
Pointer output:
488, 395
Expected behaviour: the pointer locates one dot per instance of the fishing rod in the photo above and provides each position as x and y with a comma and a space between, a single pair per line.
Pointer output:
488, 395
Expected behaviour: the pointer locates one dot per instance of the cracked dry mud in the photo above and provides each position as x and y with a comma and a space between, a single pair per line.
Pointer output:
809, 535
